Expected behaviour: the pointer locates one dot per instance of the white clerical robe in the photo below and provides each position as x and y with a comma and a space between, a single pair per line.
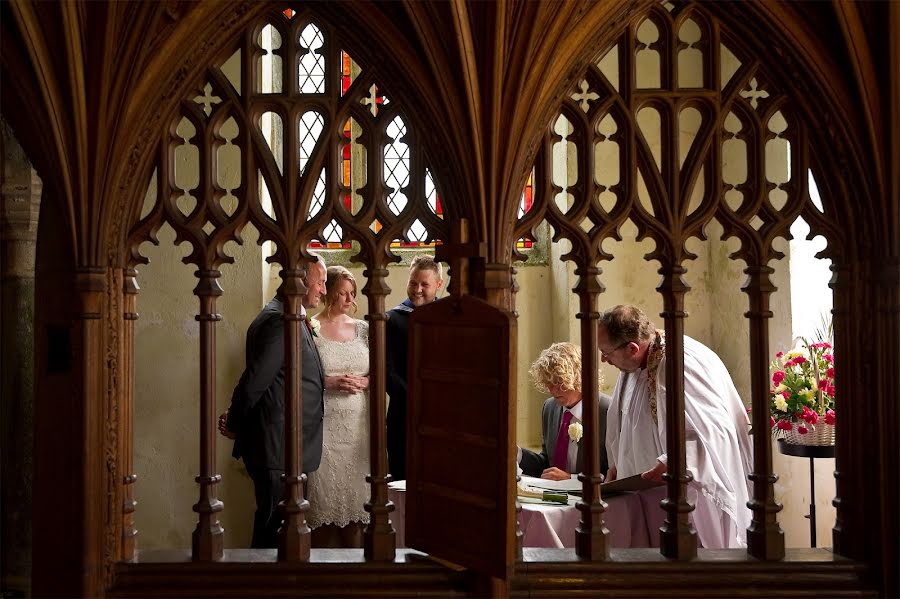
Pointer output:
717, 441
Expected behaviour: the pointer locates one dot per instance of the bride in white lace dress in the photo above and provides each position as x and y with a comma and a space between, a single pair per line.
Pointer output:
338, 489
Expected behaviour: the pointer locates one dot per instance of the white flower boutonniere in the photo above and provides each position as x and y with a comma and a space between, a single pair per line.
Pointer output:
315, 324
576, 431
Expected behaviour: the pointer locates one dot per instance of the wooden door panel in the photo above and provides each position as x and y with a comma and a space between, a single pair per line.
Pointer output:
460, 416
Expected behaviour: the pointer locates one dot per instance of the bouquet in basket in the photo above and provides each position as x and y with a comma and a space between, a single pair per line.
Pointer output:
802, 395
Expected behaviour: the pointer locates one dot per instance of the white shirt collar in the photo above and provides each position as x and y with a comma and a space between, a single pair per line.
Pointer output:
576, 411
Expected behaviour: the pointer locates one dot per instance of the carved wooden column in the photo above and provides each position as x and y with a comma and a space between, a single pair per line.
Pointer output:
520, 536
379, 537
495, 279
843, 283
19, 207
591, 536
765, 539
208, 537
90, 348
678, 539
294, 534
130, 289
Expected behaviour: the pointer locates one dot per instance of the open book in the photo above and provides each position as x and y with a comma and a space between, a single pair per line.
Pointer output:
630, 483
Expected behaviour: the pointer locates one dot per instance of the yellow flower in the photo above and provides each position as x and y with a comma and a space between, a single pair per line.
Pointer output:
780, 388
781, 403
808, 393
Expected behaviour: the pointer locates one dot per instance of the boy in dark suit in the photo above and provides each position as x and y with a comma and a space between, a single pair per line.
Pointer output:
425, 280
558, 371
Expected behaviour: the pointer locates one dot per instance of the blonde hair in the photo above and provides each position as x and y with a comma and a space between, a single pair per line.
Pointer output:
335, 275
426, 262
559, 364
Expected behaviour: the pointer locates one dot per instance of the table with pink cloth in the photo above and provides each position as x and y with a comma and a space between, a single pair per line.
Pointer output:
633, 519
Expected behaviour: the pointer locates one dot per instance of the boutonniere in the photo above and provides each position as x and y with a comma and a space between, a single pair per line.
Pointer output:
315, 325
576, 431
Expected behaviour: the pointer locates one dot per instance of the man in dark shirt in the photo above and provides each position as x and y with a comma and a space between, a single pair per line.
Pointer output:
425, 280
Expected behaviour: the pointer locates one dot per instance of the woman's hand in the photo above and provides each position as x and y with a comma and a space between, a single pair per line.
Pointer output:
347, 383
611, 474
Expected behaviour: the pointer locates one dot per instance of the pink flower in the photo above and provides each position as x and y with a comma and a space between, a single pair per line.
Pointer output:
777, 377
823, 385
830, 372
799, 360
802, 429
829, 417
779, 354
771, 420
810, 416
784, 425
786, 395
828, 358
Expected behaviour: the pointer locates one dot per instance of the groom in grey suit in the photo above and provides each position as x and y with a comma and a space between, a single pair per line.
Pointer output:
557, 371
256, 415
534, 464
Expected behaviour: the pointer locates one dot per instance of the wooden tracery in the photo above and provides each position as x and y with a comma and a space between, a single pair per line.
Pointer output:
329, 173
670, 193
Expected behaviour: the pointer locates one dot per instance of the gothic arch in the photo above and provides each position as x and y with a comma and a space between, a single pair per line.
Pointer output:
137, 61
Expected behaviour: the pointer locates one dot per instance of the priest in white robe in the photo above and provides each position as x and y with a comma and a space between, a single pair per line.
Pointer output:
716, 426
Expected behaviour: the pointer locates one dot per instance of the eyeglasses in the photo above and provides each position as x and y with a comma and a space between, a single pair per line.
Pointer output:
607, 354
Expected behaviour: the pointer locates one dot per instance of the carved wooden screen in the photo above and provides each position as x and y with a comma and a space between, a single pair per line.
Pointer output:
616, 152
288, 134
459, 474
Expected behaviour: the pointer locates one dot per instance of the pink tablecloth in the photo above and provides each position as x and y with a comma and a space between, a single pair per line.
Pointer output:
633, 520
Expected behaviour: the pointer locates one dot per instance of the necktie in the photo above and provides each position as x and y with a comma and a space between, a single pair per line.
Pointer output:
561, 455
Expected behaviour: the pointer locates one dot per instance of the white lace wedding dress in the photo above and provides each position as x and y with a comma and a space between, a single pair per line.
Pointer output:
338, 489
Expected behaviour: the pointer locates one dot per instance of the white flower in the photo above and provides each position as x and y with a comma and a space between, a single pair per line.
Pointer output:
316, 325
576, 431
795, 353
781, 403
780, 388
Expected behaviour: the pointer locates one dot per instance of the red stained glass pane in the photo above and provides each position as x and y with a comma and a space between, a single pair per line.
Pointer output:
345, 72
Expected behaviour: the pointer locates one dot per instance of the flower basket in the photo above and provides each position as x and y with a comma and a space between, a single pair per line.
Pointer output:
801, 407
823, 434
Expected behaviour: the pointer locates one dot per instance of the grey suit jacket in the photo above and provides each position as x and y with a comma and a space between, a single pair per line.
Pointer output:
533, 463
256, 414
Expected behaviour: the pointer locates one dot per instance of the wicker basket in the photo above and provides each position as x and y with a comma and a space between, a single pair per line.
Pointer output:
822, 434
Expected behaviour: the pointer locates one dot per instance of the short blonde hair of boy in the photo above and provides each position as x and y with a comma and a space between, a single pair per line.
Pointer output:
559, 364
426, 262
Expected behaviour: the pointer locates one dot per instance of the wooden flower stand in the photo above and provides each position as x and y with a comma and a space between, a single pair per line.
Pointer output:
812, 452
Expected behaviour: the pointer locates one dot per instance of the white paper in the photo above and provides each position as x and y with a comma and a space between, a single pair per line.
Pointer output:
571, 484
